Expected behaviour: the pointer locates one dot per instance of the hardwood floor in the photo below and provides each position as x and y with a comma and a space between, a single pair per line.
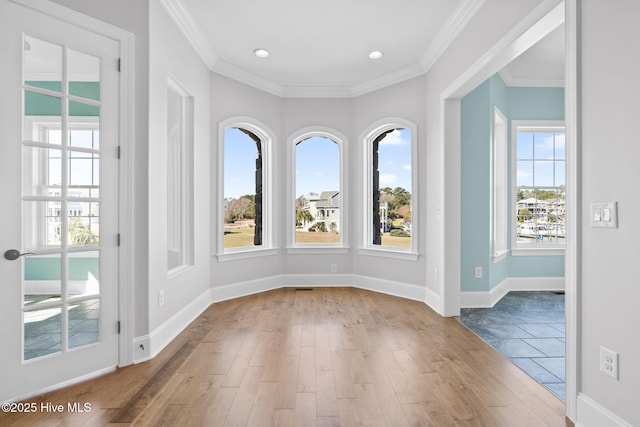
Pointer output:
321, 357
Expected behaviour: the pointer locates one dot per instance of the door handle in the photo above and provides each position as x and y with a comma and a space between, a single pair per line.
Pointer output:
13, 254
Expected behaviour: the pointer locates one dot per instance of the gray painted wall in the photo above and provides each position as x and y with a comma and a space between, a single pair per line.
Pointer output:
609, 290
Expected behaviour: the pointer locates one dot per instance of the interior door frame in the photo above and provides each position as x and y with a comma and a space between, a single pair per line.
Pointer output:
126, 253
531, 29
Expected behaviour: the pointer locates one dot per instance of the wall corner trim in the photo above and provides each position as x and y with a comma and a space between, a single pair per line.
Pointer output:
148, 346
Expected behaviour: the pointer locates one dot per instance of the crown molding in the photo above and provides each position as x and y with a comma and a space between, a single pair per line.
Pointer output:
243, 76
454, 25
512, 81
182, 18
317, 92
397, 76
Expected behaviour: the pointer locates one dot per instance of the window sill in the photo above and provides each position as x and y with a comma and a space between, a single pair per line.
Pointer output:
178, 270
389, 253
317, 250
553, 251
500, 256
246, 254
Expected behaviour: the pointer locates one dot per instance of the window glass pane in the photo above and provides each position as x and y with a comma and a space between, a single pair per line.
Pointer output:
560, 146
42, 279
42, 122
42, 65
83, 74
318, 199
524, 173
84, 173
80, 109
543, 174
41, 224
42, 171
85, 138
540, 189
42, 332
84, 322
394, 168
84, 222
84, 273
524, 148
560, 173
240, 176
544, 146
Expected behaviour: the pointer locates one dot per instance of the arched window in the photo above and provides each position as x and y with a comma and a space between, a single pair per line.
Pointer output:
317, 189
244, 187
390, 187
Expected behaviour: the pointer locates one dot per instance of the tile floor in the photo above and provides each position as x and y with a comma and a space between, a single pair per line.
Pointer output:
43, 328
529, 329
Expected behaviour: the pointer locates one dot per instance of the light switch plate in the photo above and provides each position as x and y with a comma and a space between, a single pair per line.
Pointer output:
604, 215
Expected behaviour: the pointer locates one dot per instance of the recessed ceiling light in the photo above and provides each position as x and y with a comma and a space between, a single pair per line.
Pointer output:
376, 54
261, 53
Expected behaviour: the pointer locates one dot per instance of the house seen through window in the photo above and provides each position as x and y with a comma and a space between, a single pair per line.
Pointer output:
391, 166
318, 207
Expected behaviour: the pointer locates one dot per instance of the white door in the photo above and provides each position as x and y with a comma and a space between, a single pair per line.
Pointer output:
58, 220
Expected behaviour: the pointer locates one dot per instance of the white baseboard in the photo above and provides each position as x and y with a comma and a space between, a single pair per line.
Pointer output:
592, 414
243, 289
160, 337
490, 298
148, 346
316, 280
389, 287
67, 383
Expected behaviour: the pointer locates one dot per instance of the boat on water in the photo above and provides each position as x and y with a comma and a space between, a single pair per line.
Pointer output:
541, 230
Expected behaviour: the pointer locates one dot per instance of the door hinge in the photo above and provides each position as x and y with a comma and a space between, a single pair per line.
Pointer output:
118, 152
119, 64
118, 326
118, 239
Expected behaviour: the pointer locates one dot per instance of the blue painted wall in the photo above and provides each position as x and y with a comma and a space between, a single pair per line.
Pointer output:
476, 135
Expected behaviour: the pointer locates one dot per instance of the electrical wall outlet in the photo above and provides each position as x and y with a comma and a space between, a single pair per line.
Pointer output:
334, 268
478, 272
609, 362
160, 298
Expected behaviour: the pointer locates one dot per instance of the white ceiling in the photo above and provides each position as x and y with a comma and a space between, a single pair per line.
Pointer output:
321, 48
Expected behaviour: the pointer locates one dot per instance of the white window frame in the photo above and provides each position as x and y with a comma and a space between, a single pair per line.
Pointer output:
180, 228
549, 249
500, 165
367, 138
39, 127
341, 140
267, 139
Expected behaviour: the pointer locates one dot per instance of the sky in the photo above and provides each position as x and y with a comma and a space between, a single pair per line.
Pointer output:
540, 159
317, 163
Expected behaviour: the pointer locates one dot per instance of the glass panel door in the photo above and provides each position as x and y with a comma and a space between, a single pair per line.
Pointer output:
60, 199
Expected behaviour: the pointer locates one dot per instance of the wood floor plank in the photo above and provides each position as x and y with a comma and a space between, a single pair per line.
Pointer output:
326, 402
305, 412
324, 357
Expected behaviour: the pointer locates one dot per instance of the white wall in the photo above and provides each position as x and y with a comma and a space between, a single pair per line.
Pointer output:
171, 55
133, 17
610, 289
233, 99
404, 100
443, 162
